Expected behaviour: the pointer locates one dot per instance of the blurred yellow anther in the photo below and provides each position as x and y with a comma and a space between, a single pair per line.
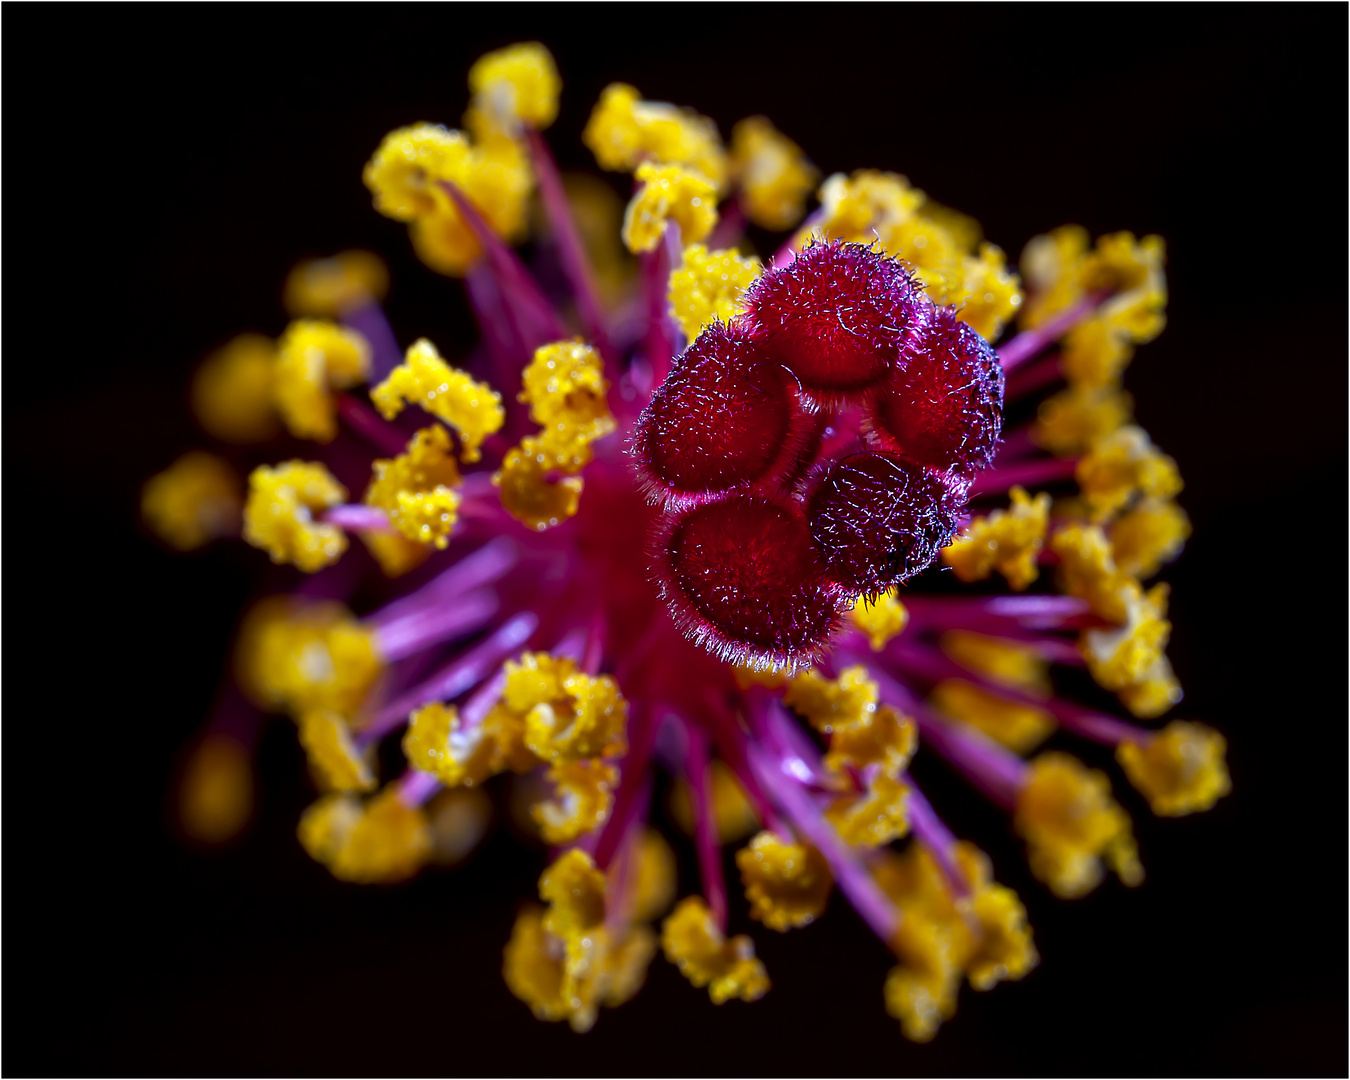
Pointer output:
232, 391
988, 292
395, 554
575, 891
529, 495
1094, 354
708, 287
1148, 536
195, 500
884, 737
327, 288
1002, 948
1121, 466
733, 815
472, 408
416, 489
1017, 726
1050, 266
693, 943
435, 743
874, 816
827, 703
773, 174
586, 720
787, 885
1088, 571
921, 991
654, 875
583, 793
459, 819
748, 674
1180, 769
380, 841
866, 206
1073, 421
403, 173
1008, 541
1131, 658
1059, 269
1071, 825
215, 790
333, 757
514, 86
313, 359
278, 515
669, 192
881, 619
1001, 660
624, 131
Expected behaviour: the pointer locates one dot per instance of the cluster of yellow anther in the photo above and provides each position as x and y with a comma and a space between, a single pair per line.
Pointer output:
232, 391
417, 488
624, 131
1071, 825
733, 816
708, 286
328, 288
278, 516
377, 841
1017, 725
1180, 769
333, 757
772, 173
881, 619
942, 246
694, 943
1122, 466
831, 703
436, 743
472, 408
195, 500
787, 884
876, 747
567, 961
1008, 541
669, 193
515, 86
979, 931
566, 389
1074, 420
314, 358
1148, 535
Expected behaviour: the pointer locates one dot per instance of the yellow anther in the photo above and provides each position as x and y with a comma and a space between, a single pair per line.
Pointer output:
1017, 726
459, 819
215, 791
1121, 466
313, 359
654, 876
708, 287
514, 86
884, 737
1003, 948
693, 943
624, 131
1001, 660
586, 720
1076, 419
327, 288
773, 174
566, 390
529, 495
748, 674
575, 892
333, 758
872, 817
733, 815
669, 192
787, 884
232, 391
1095, 353
1130, 660
403, 174
921, 991
826, 703
196, 499
881, 619
1148, 536
1125, 265
1180, 769
866, 206
598, 213
986, 292
417, 488
507, 731
1060, 270
1088, 571
472, 408
299, 658
277, 516
434, 743
1008, 541
379, 841
1071, 825
1050, 266
395, 554
583, 793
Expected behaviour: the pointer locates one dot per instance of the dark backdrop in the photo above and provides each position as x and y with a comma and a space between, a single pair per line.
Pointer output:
166, 167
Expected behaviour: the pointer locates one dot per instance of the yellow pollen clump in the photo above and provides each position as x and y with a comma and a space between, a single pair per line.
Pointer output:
866, 206
472, 408
1071, 825
395, 554
1087, 570
459, 820
827, 703
1180, 770
416, 489
624, 131
1121, 466
195, 500
1094, 354
434, 743
278, 519
708, 287
583, 796
380, 841
1017, 726
1060, 270
881, 619
1073, 421
786, 884
693, 943
654, 876
1008, 541
1149, 535
772, 173
1001, 660
669, 192
733, 816
328, 288
314, 358
874, 816
527, 492
333, 757
1130, 660
566, 389
232, 391
586, 720
883, 737
575, 891
403, 172
988, 292
516, 85
215, 791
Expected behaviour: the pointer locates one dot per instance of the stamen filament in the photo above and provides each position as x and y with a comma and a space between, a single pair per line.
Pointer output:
419, 630
377, 431
697, 763
1022, 473
1030, 343
932, 832
369, 321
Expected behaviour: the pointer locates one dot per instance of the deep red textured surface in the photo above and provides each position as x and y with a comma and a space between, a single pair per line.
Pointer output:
879, 519
944, 407
839, 316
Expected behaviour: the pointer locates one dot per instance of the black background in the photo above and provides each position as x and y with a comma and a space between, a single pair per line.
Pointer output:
166, 167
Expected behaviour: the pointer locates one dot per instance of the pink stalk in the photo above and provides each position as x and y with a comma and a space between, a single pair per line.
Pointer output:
993, 613
630, 799
595, 645
655, 269
705, 823
1031, 342
368, 320
415, 787
730, 227
505, 350
1022, 473
788, 251
932, 832
419, 630
731, 746
358, 518
483, 567
1044, 372
372, 427
482, 700
1017, 445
